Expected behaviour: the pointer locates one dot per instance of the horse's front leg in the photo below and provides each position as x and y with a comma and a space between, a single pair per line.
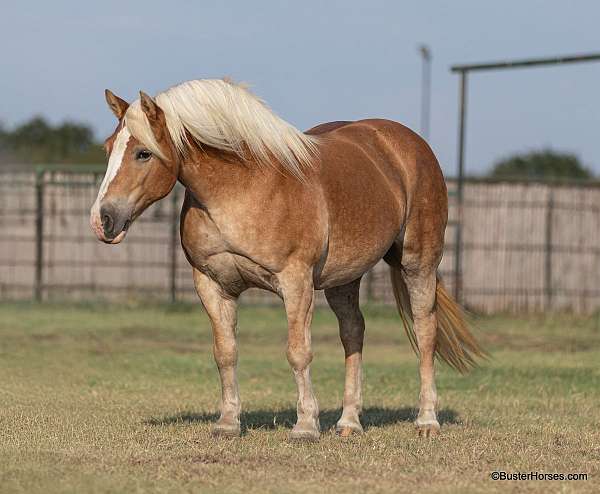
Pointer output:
298, 295
222, 311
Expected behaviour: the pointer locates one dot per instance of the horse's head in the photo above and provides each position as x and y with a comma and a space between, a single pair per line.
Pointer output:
139, 173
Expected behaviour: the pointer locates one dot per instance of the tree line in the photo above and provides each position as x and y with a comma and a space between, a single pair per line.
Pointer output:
39, 142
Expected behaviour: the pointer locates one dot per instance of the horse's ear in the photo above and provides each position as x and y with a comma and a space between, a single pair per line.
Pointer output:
117, 105
155, 116
149, 106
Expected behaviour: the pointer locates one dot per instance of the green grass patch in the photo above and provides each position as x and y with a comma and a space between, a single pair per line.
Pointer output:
99, 398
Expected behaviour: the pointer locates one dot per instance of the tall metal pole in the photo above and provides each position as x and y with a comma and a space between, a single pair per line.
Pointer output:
425, 90
458, 279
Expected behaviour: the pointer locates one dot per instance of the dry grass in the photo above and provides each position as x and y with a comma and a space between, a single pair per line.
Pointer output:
121, 399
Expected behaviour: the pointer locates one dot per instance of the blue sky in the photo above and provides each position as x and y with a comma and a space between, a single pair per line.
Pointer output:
316, 61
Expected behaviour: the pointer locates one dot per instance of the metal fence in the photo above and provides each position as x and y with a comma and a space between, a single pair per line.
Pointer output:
524, 246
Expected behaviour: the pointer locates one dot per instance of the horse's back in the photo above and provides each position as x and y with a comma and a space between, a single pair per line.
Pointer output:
401, 157
327, 127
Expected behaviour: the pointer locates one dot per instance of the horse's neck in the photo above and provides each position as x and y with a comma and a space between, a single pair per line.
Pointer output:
214, 177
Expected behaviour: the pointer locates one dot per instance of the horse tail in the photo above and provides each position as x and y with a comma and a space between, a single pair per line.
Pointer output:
455, 344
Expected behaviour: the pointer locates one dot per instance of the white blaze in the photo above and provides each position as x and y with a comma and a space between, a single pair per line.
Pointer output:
114, 163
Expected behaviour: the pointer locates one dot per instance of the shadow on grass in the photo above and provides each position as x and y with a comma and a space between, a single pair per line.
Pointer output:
270, 419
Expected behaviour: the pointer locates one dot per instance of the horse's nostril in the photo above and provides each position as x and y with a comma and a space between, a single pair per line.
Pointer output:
107, 223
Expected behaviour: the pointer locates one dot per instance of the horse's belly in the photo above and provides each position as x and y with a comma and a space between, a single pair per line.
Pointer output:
343, 266
357, 243
365, 217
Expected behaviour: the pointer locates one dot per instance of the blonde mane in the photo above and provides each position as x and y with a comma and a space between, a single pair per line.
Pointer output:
225, 116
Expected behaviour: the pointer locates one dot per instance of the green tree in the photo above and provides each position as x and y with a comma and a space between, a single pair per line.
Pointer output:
37, 141
545, 164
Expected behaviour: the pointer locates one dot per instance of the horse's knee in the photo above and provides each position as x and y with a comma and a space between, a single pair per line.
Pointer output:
299, 357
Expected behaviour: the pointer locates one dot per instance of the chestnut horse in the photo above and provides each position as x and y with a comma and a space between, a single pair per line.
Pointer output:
271, 207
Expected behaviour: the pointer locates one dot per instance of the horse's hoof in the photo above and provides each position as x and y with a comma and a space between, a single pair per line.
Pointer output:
304, 435
226, 430
428, 429
349, 429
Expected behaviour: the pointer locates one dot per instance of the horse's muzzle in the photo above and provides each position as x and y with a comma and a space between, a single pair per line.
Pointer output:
111, 221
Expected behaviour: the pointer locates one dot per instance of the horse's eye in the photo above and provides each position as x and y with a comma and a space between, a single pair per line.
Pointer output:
143, 155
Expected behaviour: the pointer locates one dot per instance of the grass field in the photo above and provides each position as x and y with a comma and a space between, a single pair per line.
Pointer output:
120, 399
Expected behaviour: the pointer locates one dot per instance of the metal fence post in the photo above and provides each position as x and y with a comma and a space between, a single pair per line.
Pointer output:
39, 235
548, 250
173, 245
458, 278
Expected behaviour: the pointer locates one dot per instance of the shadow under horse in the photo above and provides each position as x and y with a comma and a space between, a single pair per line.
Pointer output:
271, 419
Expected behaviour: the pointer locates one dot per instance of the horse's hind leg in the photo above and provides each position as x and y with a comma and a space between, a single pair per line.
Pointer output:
414, 280
344, 302
222, 311
421, 287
